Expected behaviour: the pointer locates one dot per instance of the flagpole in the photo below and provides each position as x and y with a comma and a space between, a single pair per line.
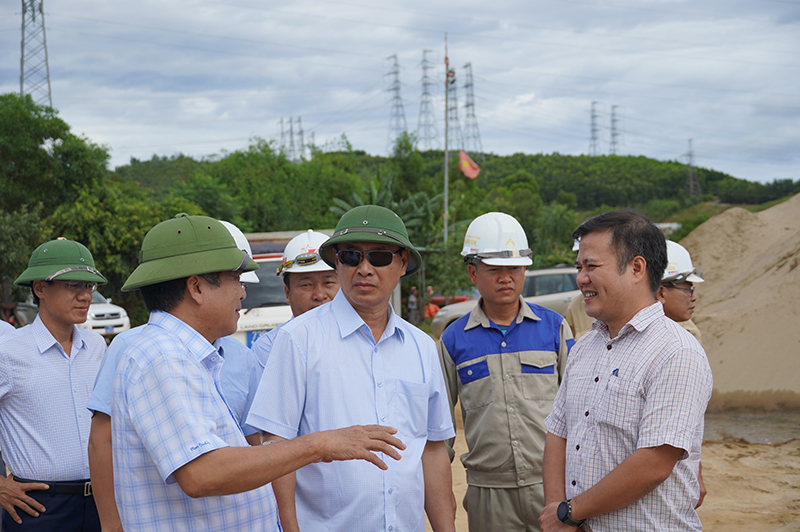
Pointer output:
446, 123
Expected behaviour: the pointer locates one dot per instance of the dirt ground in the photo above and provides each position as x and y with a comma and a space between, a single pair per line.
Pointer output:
752, 487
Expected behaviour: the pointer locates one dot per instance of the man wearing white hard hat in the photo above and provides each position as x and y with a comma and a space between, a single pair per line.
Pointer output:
307, 281
239, 380
504, 360
676, 292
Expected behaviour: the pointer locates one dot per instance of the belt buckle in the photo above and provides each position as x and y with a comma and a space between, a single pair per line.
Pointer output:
87, 489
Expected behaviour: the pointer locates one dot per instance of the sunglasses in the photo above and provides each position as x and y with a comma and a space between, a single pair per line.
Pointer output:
378, 257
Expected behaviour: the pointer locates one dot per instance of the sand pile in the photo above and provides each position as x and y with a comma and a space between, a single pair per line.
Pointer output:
749, 307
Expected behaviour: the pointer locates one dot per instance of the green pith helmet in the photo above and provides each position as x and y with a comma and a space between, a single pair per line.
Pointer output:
371, 223
184, 246
60, 260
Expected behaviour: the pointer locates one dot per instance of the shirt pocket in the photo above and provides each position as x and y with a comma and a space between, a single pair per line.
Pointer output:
623, 404
539, 379
476, 383
411, 408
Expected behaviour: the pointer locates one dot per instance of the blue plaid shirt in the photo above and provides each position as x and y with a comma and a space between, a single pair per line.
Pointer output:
44, 425
240, 376
166, 411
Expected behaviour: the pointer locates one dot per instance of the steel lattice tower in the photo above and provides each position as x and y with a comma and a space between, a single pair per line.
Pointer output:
455, 137
397, 116
472, 136
292, 153
692, 185
301, 143
34, 71
593, 141
428, 135
614, 134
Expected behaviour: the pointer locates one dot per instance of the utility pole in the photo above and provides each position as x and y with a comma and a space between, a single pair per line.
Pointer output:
397, 116
453, 125
614, 133
34, 70
449, 79
472, 136
692, 184
426, 124
593, 141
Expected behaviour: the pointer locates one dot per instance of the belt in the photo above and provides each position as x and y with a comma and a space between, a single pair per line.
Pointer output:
77, 487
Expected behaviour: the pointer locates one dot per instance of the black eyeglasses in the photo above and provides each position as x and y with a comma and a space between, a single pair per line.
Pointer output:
378, 257
689, 289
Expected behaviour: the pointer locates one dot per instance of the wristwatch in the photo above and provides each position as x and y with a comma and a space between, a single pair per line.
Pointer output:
564, 514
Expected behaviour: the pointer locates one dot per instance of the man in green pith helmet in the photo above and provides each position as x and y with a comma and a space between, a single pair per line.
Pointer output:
47, 370
180, 458
354, 360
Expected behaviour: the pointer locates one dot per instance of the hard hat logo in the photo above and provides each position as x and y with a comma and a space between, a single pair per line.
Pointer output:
493, 239
302, 254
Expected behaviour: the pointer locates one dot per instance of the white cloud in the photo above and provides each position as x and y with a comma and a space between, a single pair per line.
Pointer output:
202, 76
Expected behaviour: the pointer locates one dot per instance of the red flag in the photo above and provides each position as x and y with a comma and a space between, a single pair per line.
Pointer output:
467, 165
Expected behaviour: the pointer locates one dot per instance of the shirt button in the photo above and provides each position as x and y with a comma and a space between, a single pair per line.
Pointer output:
391, 490
391, 527
511, 409
573, 482
506, 376
578, 447
596, 379
608, 347
515, 443
586, 413
520, 482
380, 385
503, 344
383, 418
469, 372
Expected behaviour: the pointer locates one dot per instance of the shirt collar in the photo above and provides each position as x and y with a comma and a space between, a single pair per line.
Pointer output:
195, 343
640, 321
349, 321
478, 316
45, 339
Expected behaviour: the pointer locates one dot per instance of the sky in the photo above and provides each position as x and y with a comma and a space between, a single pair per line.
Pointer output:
205, 77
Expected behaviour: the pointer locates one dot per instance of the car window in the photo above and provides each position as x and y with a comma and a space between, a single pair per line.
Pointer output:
549, 284
97, 297
269, 291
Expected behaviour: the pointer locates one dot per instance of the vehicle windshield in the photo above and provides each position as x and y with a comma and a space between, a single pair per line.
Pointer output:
269, 291
549, 284
97, 297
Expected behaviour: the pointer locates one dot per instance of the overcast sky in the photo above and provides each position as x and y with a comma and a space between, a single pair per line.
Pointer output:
200, 77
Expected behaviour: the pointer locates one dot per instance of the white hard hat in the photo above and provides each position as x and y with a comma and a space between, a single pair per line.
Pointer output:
679, 266
244, 245
301, 254
496, 239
